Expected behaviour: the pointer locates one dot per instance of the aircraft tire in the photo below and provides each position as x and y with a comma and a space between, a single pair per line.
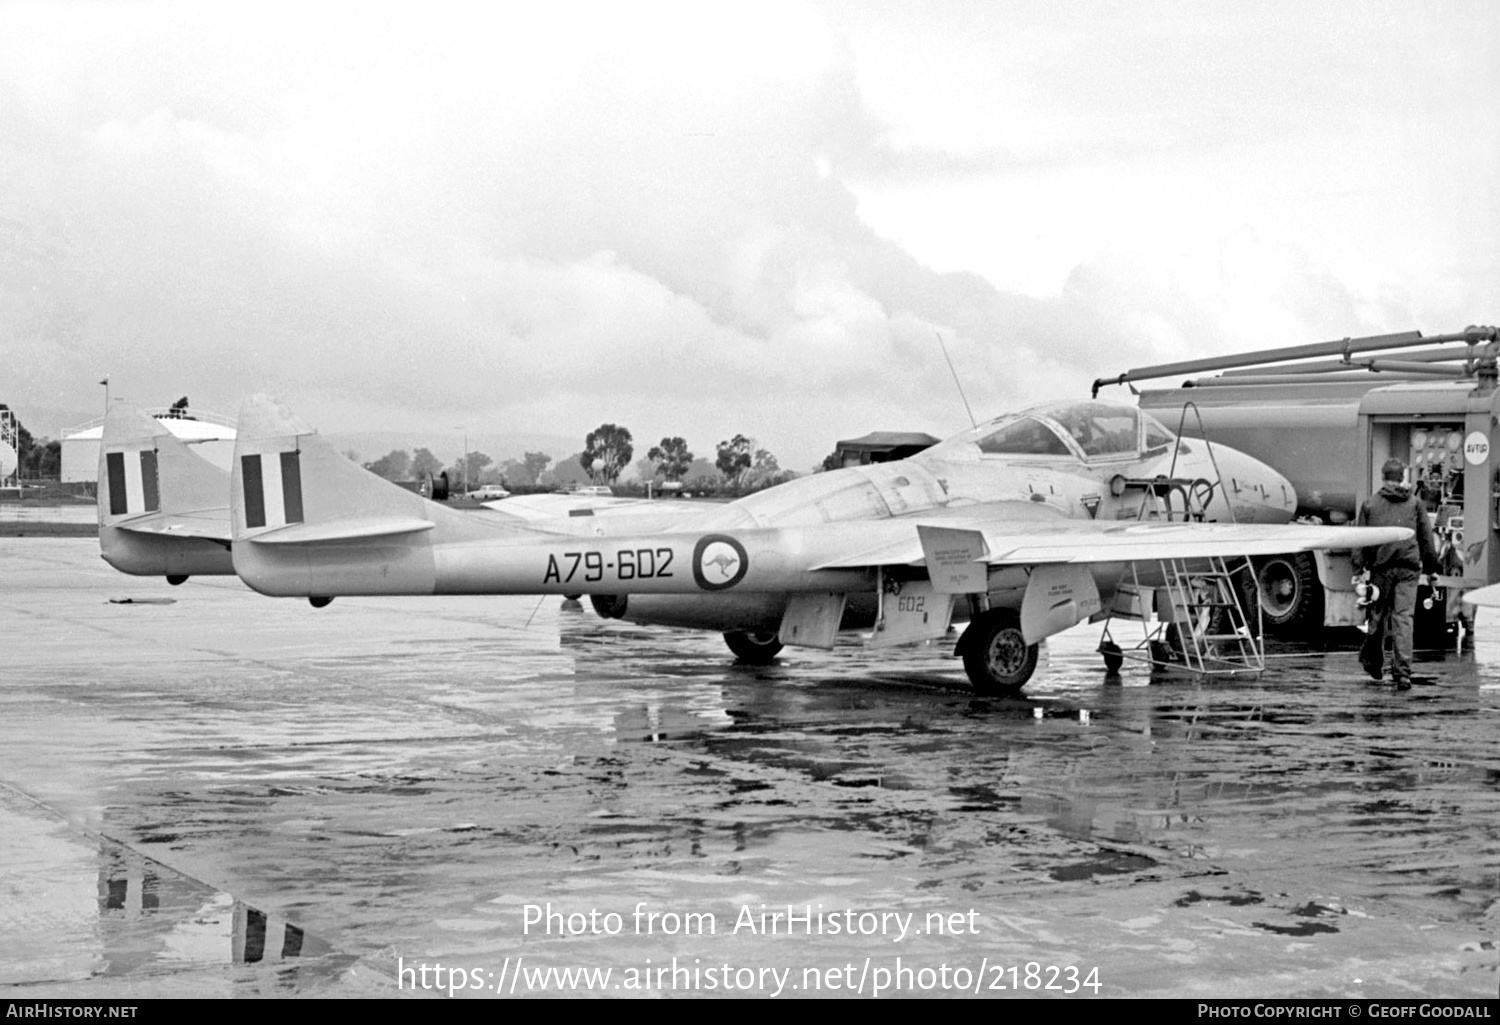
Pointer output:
1291, 598
1114, 658
996, 656
753, 647
609, 606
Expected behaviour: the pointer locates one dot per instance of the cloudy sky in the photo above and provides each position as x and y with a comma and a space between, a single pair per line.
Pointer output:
717, 218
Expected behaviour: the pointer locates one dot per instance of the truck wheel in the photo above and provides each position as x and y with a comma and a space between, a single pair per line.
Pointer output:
753, 647
1291, 598
996, 655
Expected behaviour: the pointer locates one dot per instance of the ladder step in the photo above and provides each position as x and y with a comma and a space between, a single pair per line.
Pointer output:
1232, 648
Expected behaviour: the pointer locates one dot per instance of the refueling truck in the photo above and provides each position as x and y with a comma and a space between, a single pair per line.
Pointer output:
1327, 415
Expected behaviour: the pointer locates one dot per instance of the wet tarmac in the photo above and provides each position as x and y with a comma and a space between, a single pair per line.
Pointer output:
28, 512
204, 792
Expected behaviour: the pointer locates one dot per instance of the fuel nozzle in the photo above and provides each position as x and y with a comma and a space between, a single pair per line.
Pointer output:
1434, 593
1365, 592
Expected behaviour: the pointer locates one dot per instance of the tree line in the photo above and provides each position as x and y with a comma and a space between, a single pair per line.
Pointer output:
740, 465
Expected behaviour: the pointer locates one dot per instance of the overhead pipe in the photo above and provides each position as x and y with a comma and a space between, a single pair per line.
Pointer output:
1295, 379
1391, 371
1451, 352
1344, 348
1408, 367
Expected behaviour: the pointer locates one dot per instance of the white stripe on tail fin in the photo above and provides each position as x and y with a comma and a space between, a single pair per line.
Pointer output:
129, 485
273, 488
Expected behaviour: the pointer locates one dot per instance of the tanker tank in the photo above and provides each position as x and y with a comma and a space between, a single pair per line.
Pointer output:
1311, 435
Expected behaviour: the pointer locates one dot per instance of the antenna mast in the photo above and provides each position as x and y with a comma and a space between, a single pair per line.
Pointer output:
956, 383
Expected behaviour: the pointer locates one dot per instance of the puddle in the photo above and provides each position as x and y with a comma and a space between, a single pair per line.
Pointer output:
1234, 900
1110, 863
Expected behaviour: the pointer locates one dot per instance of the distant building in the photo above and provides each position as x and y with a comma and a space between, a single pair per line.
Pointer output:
211, 435
881, 447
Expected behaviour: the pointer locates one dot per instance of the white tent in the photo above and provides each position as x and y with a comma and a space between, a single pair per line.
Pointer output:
211, 435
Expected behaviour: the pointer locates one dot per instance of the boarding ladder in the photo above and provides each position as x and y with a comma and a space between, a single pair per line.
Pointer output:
1201, 621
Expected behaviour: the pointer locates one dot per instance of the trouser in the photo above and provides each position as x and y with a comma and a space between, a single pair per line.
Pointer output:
1391, 619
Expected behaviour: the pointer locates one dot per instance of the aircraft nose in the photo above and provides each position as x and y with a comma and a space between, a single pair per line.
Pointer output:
1257, 491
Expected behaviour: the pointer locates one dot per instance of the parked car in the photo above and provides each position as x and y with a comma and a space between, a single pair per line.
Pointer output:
595, 489
488, 493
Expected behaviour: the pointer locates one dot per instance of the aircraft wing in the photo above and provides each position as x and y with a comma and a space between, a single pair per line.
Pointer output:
1488, 597
1009, 544
212, 525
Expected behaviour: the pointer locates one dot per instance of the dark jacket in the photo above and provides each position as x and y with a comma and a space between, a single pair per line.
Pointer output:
1394, 506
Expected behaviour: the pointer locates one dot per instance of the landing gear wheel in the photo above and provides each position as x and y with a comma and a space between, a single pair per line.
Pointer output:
1291, 598
996, 655
753, 647
1114, 658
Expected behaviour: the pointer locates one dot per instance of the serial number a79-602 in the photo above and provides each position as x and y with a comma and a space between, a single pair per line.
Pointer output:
625, 564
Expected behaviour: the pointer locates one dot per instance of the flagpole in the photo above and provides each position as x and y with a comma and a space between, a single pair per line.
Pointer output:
105, 382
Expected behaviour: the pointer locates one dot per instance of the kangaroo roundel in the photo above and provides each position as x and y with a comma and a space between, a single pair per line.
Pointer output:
719, 561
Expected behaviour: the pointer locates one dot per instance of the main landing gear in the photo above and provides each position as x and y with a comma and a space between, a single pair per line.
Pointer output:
995, 653
753, 647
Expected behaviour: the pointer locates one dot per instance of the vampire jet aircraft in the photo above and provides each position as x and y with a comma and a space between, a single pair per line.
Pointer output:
163, 509
1023, 526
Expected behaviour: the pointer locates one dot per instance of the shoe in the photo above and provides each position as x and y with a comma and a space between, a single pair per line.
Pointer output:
1376, 672
1403, 683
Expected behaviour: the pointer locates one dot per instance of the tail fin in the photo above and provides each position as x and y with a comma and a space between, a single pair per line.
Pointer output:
308, 522
163, 509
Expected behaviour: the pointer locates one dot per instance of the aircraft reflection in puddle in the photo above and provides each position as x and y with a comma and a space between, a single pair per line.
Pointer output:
153, 918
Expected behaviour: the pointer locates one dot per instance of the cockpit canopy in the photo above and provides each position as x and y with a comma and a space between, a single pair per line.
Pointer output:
1076, 430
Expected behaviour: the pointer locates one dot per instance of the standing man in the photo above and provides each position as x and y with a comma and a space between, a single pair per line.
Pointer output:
1394, 568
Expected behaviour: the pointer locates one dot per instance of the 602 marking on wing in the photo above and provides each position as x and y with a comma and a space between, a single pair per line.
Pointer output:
625, 564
